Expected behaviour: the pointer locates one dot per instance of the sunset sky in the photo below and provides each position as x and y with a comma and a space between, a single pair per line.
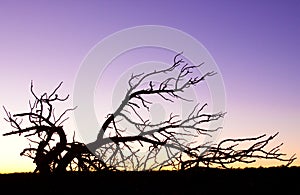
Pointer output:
255, 44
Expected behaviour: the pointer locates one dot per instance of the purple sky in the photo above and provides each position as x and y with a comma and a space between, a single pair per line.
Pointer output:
256, 45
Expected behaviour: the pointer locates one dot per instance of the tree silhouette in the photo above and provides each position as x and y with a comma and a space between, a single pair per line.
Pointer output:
150, 145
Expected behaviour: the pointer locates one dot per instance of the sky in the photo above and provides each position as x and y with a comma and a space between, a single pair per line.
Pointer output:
255, 44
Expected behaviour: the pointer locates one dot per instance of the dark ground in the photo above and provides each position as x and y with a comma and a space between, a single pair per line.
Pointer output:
281, 180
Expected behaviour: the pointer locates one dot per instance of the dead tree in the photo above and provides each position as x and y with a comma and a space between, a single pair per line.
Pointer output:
151, 145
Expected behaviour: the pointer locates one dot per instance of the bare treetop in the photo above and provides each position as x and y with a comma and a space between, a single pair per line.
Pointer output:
142, 144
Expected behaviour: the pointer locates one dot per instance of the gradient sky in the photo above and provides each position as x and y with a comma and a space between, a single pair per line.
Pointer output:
256, 45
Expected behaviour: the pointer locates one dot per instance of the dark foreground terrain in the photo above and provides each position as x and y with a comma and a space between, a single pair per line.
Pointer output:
279, 180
